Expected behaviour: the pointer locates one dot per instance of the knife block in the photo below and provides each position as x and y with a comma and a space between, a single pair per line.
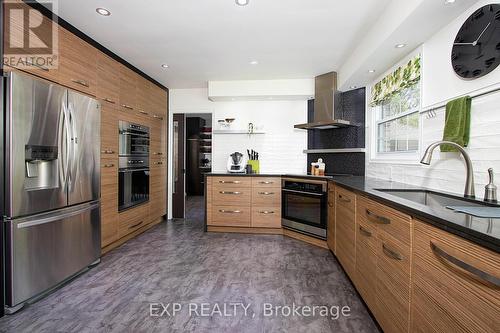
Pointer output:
255, 165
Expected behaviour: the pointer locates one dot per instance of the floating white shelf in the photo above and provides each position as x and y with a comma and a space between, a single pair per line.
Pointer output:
237, 132
335, 151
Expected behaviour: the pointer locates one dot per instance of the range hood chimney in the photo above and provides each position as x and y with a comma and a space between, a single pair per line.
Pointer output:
326, 99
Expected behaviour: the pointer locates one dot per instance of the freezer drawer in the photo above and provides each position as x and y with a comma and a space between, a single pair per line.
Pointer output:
45, 249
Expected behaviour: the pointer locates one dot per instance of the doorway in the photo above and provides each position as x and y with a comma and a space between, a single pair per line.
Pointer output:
192, 160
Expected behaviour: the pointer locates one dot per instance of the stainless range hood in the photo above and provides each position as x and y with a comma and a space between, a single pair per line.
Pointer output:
326, 99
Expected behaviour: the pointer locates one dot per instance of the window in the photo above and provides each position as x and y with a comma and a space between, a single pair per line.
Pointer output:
397, 121
395, 113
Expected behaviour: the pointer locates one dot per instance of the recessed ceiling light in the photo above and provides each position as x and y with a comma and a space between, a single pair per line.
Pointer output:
103, 11
447, 2
352, 87
254, 62
399, 46
371, 71
242, 2
164, 65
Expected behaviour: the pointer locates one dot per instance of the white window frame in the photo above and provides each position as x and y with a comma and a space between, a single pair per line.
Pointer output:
401, 157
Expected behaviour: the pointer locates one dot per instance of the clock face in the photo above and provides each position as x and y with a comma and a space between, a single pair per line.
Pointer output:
476, 49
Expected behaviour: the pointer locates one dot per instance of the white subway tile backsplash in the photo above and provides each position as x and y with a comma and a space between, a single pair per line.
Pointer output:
447, 170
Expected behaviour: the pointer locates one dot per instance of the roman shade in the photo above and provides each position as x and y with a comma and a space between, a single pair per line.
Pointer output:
403, 77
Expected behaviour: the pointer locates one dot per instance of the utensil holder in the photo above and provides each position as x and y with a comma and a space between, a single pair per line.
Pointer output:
255, 165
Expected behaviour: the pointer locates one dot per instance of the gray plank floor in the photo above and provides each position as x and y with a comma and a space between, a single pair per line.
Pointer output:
176, 262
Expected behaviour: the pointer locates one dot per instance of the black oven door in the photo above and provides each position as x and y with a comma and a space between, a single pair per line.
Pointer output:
133, 187
305, 208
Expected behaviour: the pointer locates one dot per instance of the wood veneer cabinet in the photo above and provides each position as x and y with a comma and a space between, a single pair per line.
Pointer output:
77, 63
330, 230
128, 90
124, 95
244, 202
108, 81
14, 32
455, 283
345, 229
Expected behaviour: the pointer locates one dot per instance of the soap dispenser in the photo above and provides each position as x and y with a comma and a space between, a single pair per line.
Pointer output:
490, 190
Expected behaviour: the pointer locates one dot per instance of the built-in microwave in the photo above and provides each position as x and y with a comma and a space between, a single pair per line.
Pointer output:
134, 139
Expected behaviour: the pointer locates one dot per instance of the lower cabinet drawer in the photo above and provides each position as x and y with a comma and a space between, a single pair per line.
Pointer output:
232, 182
386, 219
266, 196
266, 217
133, 219
231, 216
393, 285
454, 288
223, 196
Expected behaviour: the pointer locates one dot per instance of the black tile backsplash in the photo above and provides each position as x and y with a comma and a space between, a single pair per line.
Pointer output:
352, 109
351, 106
348, 163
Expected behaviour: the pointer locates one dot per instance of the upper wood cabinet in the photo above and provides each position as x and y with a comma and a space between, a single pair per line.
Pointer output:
77, 63
128, 90
14, 30
108, 81
143, 93
455, 284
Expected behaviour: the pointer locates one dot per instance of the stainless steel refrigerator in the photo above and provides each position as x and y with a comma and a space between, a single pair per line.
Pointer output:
52, 186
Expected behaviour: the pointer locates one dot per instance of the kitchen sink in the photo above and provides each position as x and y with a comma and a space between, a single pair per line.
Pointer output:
434, 199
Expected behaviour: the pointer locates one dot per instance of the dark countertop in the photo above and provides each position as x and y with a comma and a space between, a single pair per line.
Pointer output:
226, 174
482, 231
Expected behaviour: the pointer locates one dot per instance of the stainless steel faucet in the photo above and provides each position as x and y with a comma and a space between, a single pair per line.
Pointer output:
469, 181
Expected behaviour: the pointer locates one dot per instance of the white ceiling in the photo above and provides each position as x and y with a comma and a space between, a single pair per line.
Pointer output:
203, 40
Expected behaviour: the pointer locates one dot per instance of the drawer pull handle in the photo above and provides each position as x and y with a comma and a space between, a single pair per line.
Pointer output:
229, 181
365, 232
341, 198
154, 153
81, 82
266, 212
230, 211
157, 117
31, 63
109, 165
230, 192
135, 225
143, 112
266, 193
266, 182
109, 100
378, 219
158, 163
391, 253
465, 266
330, 204
127, 106
108, 151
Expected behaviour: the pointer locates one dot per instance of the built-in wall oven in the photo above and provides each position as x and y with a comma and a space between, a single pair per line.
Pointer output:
134, 139
133, 172
304, 206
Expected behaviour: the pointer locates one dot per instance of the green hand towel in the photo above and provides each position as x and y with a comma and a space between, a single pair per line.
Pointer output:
457, 123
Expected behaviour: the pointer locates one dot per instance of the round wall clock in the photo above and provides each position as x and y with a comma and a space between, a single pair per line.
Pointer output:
476, 49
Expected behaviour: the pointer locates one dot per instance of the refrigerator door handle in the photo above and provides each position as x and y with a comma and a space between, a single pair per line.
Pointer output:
36, 220
67, 136
73, 141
